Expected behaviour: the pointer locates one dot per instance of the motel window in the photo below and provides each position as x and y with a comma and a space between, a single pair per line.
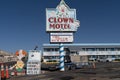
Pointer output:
51, 57
48, 49
46, 57
117, 49
97, 49
55, 57
118, 56
73, 52
52, 49
93, 56
90, 49
83, 49
45, 49
113, 56
56, 49
101, 49
110, 49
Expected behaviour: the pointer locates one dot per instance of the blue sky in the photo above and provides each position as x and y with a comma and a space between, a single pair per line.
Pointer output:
23, 22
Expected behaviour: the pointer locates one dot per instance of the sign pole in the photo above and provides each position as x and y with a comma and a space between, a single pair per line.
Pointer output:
61, 57
61, 22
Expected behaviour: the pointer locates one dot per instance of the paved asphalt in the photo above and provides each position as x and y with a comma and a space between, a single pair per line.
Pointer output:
103, 71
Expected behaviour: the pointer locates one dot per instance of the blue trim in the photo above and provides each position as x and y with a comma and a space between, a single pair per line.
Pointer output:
61, 62
62, 56
61, 45
61, 51
86, 44
61, 67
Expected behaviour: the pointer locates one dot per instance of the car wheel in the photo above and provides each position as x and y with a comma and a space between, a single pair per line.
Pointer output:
67, 68
107, 61
73, 67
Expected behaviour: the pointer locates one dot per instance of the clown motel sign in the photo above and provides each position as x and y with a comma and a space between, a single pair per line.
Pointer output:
61, 18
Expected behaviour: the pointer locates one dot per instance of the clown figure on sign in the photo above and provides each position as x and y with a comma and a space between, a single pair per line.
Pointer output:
62, 10
20, 64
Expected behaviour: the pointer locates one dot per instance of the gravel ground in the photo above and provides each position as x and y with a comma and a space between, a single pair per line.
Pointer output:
103, 71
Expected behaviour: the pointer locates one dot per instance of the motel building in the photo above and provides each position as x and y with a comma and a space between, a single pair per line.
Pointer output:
94, 51
61, 23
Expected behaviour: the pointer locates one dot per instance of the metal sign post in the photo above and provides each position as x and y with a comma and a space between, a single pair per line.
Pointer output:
62, 57
61, 23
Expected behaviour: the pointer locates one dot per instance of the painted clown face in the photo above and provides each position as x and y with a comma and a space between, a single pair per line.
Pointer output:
20, 54
62, 11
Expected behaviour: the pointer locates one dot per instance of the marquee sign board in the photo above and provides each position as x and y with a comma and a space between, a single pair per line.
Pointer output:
61, 37
34, 62
61, 18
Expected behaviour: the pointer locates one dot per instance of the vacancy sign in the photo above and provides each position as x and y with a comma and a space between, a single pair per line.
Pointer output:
61, 37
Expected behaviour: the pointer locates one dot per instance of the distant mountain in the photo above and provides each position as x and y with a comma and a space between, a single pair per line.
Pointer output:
4, 53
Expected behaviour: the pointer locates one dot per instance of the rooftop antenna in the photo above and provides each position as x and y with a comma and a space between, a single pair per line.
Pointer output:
35, 47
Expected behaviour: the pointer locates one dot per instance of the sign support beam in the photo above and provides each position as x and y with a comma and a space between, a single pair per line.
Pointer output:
61, 57
61, 22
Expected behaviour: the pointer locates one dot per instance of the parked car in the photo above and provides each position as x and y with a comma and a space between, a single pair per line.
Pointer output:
70, 66
92, 59
105, 59
67, 66
81, 64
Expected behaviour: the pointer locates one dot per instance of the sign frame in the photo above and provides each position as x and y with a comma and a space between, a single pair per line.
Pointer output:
61, 19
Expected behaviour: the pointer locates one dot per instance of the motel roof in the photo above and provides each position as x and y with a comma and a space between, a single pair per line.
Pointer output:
86, 45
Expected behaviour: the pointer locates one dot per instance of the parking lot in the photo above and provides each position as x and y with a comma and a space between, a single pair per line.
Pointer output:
103, 71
